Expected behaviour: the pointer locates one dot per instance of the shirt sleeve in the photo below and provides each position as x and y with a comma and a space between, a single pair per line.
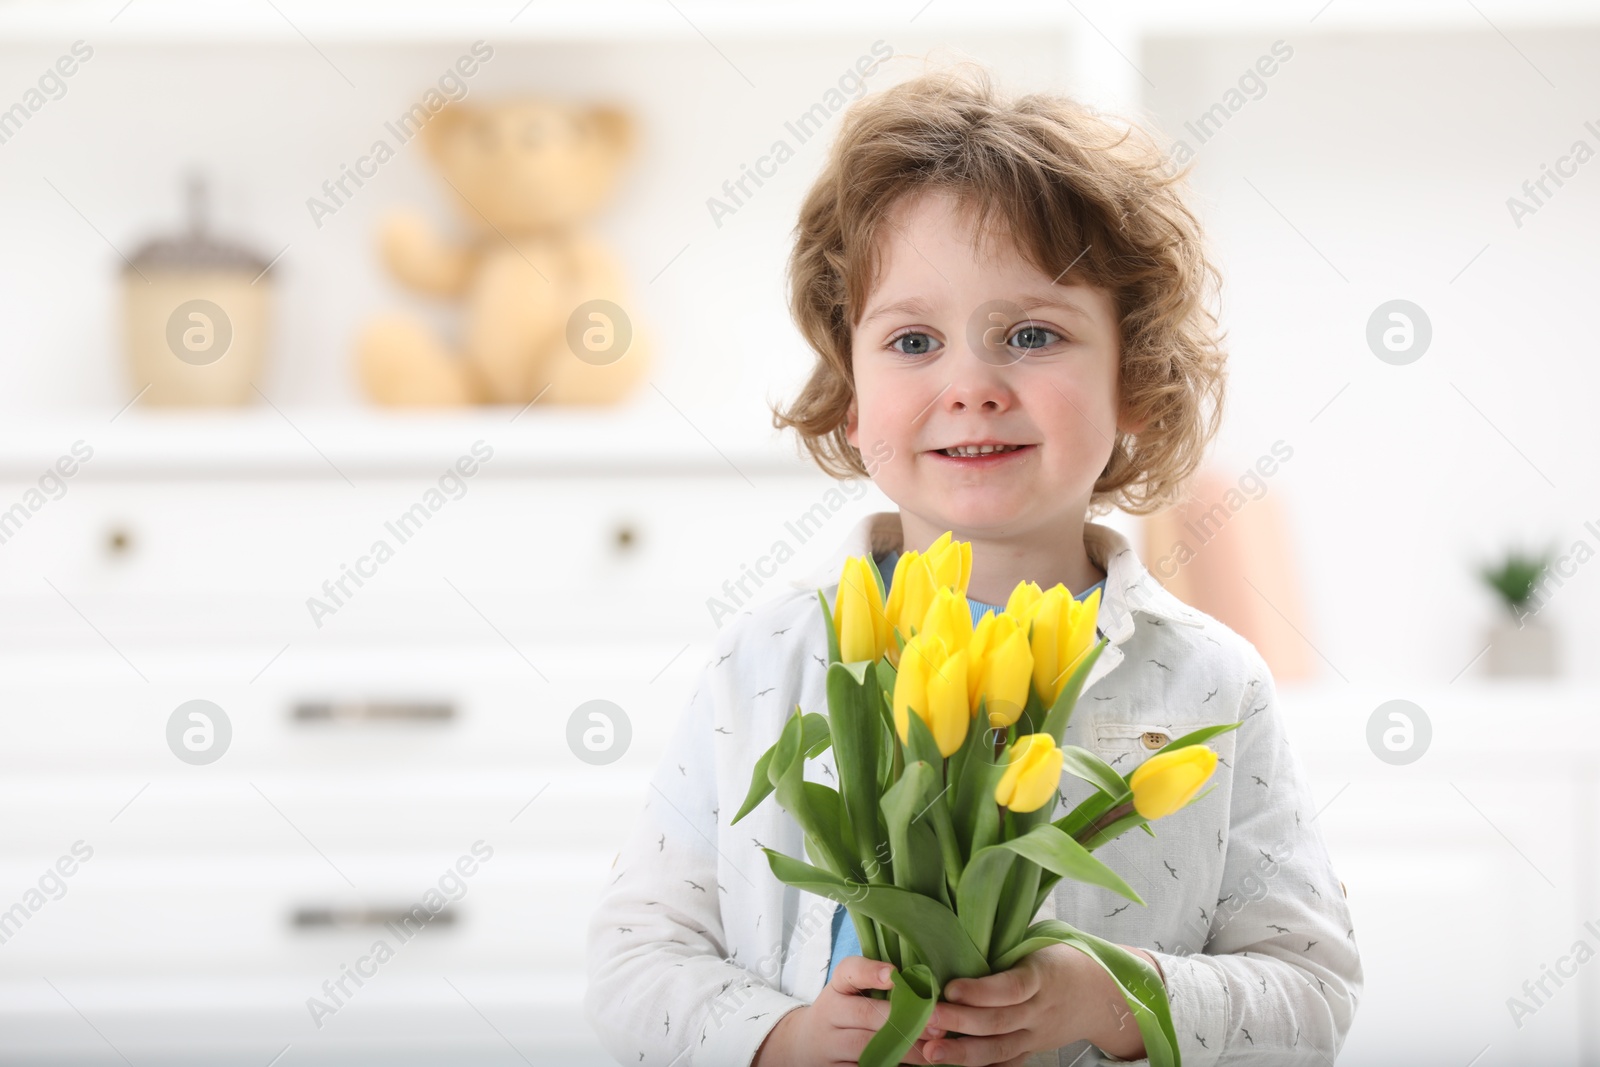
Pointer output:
1280, 975
662, 989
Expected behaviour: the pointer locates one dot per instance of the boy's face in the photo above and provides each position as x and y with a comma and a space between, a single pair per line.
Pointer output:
997, 351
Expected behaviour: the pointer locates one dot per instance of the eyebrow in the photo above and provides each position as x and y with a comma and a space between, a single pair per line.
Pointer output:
1033, 302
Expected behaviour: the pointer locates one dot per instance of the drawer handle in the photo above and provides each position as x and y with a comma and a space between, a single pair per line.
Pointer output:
309, 918
373, 711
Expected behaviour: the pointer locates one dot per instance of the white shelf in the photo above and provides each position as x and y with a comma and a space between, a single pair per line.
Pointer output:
501, 21
259, 440
505, 21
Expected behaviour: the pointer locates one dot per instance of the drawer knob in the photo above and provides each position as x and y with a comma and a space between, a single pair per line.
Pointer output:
625, 537
119, 542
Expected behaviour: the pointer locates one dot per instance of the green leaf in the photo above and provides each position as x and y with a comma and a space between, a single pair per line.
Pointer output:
1055, 723
886, 675
1082, 763
913, 844
1031, 721
977, 818
786, 747
877, 579
1012, 917
1115, 830
760, 786
979, 736
827, 624
892, 760
918, 920
1059, 854
819, 813
1081, 817
857, 735
815, 737
936, 812
1205, 733
814, 806
858, 670
911, 1003
978, 894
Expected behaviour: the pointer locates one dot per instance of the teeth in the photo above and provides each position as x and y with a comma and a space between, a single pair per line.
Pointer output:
978, 450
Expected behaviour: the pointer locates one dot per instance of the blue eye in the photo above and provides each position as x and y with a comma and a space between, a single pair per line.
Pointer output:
921, 346
1034, 337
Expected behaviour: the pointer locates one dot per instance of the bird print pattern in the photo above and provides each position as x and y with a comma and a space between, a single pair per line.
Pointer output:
1201, 875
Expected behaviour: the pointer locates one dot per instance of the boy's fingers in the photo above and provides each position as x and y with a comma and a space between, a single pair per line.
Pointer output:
956, 1019
856, 1047
857, 974
914, 1055
1003, 1049
995, 990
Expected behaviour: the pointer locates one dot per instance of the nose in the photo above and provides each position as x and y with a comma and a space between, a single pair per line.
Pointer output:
977, 383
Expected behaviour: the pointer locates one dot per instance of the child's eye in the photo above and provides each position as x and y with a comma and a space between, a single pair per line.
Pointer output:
1034, 337
921, 343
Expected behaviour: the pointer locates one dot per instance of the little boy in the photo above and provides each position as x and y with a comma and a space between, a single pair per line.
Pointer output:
1007, 302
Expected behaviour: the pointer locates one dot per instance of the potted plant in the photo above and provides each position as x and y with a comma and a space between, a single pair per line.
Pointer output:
1520, 643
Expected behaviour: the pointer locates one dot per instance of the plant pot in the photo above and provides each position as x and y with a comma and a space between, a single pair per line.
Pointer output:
1525, 648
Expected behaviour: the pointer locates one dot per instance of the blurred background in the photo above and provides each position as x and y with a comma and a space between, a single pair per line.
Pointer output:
306, 615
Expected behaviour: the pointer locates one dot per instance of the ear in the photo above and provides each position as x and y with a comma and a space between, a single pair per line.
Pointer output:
615, 127
852, 431
439, 130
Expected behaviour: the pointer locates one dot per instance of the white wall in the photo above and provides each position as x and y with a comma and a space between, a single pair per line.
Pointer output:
1393, 155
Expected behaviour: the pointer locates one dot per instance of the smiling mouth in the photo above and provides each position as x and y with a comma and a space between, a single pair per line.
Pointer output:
981, 452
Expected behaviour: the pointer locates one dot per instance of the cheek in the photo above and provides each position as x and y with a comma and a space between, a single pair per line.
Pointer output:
1083, 413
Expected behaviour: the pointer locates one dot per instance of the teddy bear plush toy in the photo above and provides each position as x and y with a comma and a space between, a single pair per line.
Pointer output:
545, 314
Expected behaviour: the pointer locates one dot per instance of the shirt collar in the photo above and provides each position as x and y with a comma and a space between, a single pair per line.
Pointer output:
1129, 586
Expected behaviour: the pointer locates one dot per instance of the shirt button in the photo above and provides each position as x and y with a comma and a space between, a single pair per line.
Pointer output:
1155, 739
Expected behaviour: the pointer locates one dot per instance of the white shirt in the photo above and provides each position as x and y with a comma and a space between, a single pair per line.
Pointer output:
696, 950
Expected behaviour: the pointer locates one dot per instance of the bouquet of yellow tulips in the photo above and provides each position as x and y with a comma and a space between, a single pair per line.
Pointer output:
939, 840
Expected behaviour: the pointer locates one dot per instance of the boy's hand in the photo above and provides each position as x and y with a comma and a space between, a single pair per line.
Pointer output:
1052, 998
835, 1028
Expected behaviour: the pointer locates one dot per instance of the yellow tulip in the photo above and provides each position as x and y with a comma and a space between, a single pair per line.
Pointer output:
999, 668
858, 614
910, 595
949, 616
917, 577
932, 684
1168, 780
951, 562
1024, 601
1032, 774
1063, 630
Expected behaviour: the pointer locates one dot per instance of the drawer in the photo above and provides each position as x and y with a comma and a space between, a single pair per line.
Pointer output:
347, 814
286, 914
420, 710
297, 540
277, 562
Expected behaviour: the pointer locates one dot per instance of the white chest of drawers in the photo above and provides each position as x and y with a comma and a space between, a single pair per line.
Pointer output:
412, 739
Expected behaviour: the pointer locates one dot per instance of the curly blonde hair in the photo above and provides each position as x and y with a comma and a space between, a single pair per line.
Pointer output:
1073, 191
